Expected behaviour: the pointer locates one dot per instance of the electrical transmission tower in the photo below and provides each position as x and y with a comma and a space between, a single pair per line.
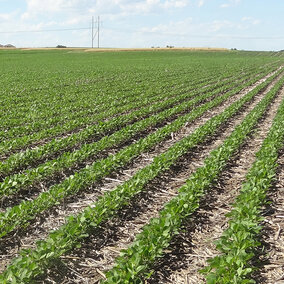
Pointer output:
96, 30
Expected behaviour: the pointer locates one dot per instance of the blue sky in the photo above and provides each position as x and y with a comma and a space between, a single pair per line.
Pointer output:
241, 24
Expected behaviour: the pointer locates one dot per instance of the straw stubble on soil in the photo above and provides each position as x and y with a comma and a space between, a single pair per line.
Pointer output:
98, 252
272, 266
195, 245
190, 249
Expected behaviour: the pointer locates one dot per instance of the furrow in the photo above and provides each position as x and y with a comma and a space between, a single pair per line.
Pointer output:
39, 139
185, 131
68, 163
135, 263
98, 253
209, 222
272, 261
93, 132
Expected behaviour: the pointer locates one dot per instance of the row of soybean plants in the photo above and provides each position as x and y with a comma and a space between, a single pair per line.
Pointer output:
12, 184
80, 117
239, 243
107, 108
43, 78
16, 182
32, 263
70, 84
73, 109
135, 262
116, 95
112, 89
27, 210
84, 75
22, 159
119, 91
62, 79
111, 111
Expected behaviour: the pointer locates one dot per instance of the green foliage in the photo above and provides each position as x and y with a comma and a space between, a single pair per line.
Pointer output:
240, 240
156, 236
21, 214
113, 104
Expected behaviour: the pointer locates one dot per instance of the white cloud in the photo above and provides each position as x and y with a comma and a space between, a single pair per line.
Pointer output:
218, 25
134, 7
175, 4
225, 5
5, 17
200, 3
48, 5
149, 6
178, 28
224, 25
230, 3
251, 20
36, 7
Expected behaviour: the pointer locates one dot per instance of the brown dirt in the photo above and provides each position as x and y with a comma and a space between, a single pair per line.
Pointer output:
158, 49
98, 254
84, 49
52, 220
272, 270
210, 221
68, 133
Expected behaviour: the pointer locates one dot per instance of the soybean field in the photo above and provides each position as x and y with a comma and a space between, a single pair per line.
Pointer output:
154, 166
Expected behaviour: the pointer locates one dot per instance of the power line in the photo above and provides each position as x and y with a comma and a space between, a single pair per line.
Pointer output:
193, 35
94, 34
41, 31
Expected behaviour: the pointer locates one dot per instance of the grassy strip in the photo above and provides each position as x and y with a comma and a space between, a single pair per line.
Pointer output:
135, 262
12, 184
239, 241
32, 263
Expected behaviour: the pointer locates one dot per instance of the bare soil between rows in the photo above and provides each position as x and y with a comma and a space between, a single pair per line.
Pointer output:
195, 245
98, 252
110, 229
65, 134
33, 190
270, 261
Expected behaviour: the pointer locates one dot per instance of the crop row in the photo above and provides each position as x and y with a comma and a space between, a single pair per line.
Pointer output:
22, 159
115, 88
12, 184
109, 82
86, 115
27, 210
31, 94
23, 141
240, 240
41, 80
135, 262
169, 83
102, 104
31, 263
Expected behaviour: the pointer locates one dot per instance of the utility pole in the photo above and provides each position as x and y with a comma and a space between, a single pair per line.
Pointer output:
97, 30
93, 32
